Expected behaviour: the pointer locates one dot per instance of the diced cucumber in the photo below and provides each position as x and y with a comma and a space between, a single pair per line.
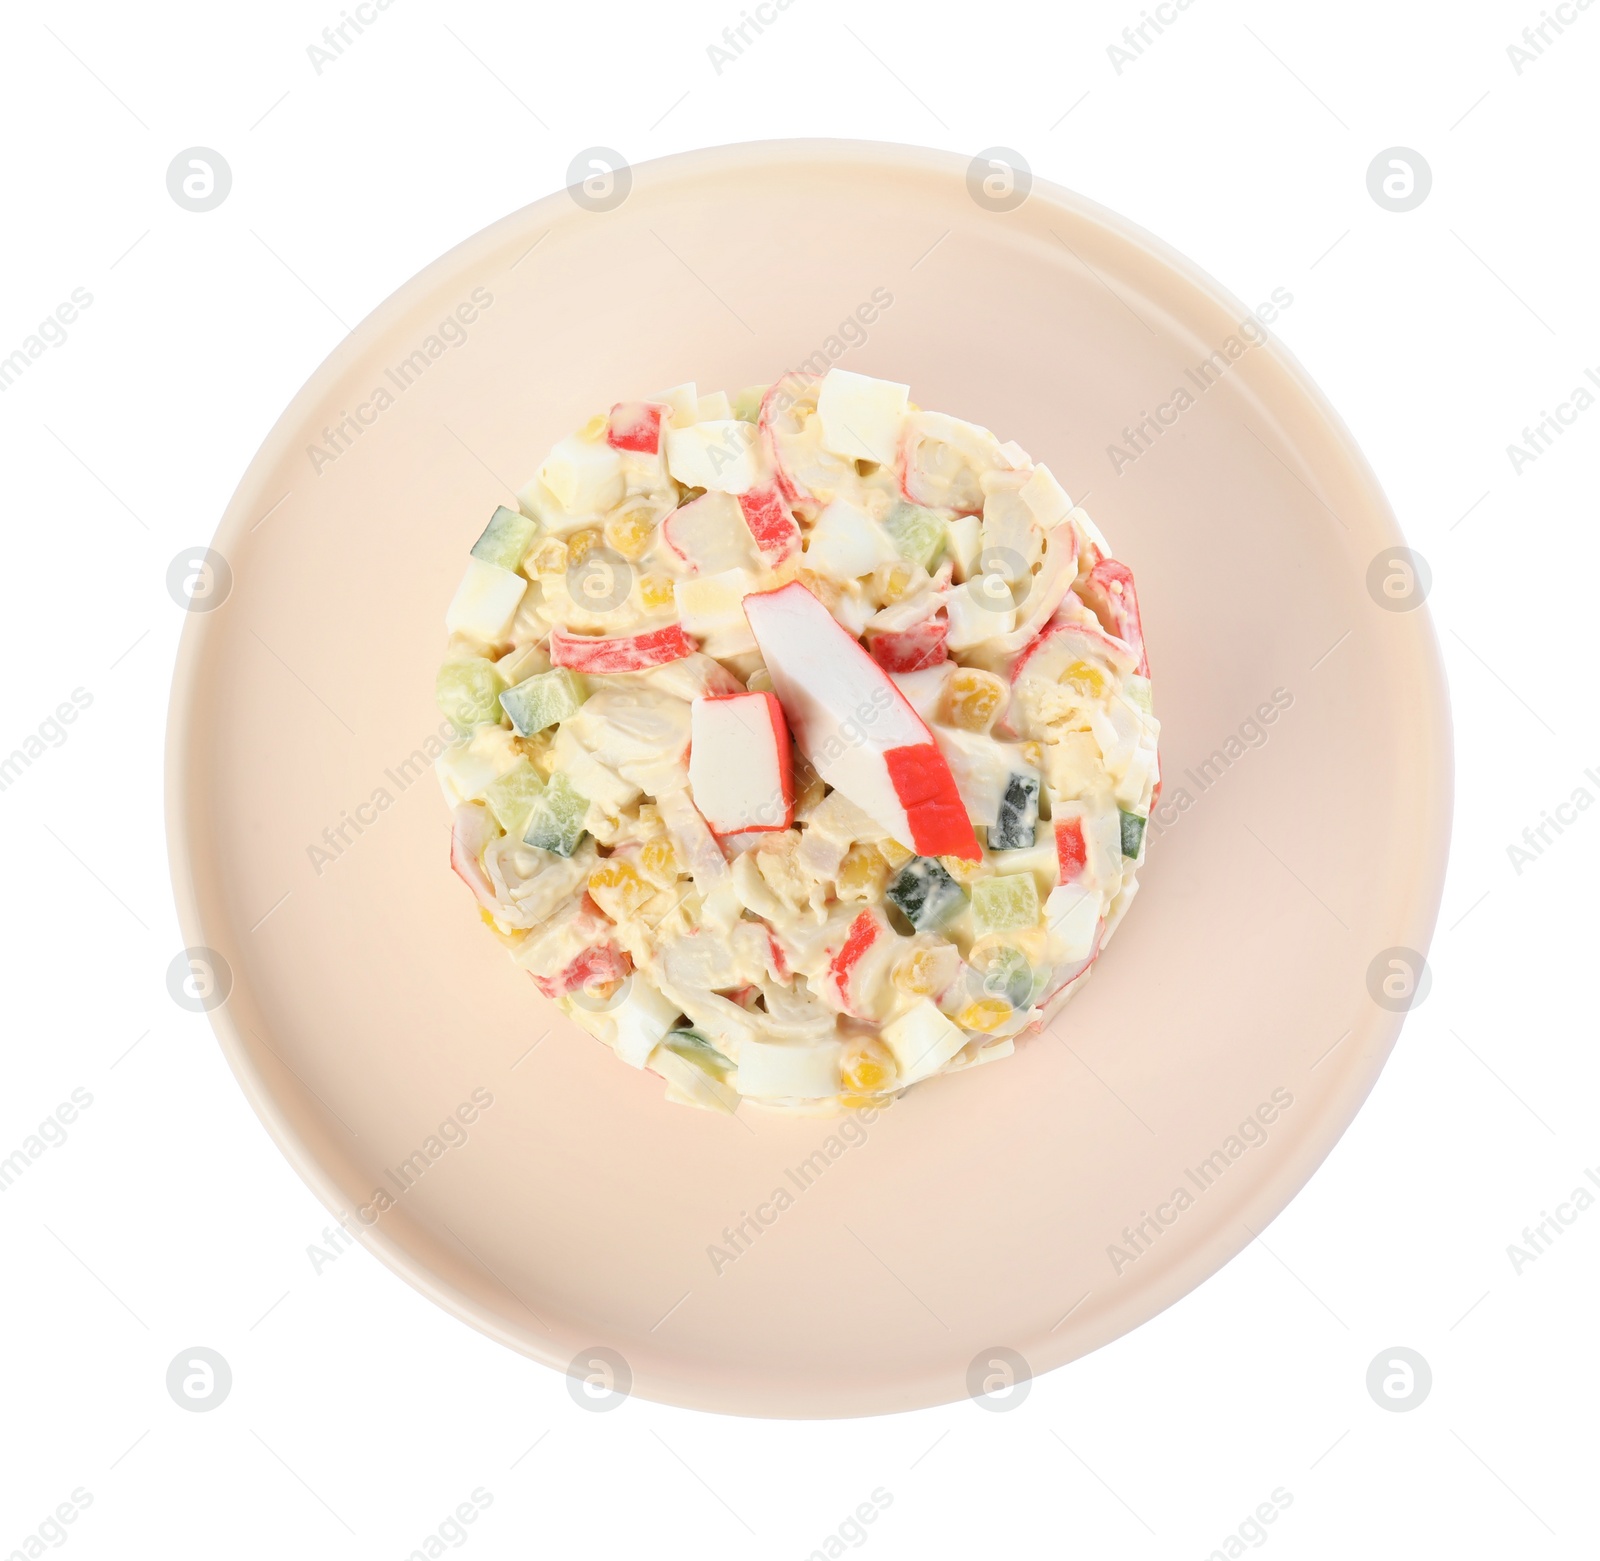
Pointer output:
747, 404
512, 796
543, 699
505, 539
693, 1047
1005, 973
1014, 829
555, 822
1132, 833
469, 692
918, 534
1004, 904
925, 894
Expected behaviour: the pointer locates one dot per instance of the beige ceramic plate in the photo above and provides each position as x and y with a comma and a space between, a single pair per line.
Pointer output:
366, 1003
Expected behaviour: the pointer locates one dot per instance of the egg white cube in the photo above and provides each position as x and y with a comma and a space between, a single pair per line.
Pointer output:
924, 690
1102, 841
711, 608
922, 1041
793, 1070
861, 416
468, 766
584, 476
972, 620
1046, 498
981, 767
722, 454
846, 542
485, 602
964, 545
683, 400
636, 1025
713, 408
1072, 913
1080, 518
601, 784
1131, 788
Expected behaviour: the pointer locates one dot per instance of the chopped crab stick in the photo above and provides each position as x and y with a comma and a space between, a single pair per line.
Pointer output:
631, 653
770, 524
911, 650
1072, 851
739, 763
856, 727
471, 829
1060, 645
635, 425
600, 963
694, 842
786, 399
854, 966
1109, 590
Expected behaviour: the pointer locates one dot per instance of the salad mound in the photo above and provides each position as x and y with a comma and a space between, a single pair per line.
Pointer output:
805, 742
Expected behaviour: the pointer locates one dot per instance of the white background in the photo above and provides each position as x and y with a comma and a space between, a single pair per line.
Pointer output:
360, 1415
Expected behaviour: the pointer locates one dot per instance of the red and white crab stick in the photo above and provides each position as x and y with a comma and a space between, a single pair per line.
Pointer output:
628, 653
855, 726
740, 768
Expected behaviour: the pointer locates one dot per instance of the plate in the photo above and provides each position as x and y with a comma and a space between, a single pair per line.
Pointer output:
1005, 1221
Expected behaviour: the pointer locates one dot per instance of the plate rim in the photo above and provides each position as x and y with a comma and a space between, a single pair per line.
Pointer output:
1417, 907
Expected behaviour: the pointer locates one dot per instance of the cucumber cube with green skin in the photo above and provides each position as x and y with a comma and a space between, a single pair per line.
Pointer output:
693, 1047
1003, 904
512, 796
925, 894
469, 692
543, 699
747, 404
1132, 833
1006, 974
555, 822
505, 539
917, 533
1014, 829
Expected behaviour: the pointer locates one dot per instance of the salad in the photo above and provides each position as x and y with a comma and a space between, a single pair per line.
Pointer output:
805, 743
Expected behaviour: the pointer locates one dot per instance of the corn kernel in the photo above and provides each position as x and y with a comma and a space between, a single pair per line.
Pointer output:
810, 792
985, 1015
581, 544
788, 570
862, 874
866, 1069
630, 532
655, 592
538, 750
594, 430
617, 889
825, 588
973, 699
659, 863
1089, 681
549, 558
963, 871
893, 581
894, 853
1033, 753
918, 972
